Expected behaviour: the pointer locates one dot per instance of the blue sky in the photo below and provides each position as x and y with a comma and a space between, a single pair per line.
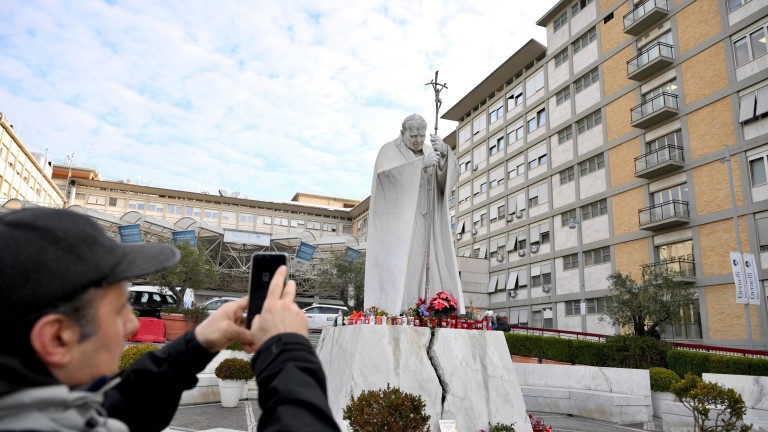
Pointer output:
267, 98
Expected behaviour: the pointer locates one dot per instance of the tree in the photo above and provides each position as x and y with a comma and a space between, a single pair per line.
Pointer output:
344, 277
193, 271
659, 299
701, 398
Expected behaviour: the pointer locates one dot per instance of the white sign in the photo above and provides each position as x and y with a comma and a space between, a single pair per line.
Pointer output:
751, 279
447, 425
246, 237
738, 278
297, 264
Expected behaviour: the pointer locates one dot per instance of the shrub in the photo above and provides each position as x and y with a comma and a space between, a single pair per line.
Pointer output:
662, 379
557, 349
133, 352
234, 369
697, 363
389, 409
195, 314
702, 397
235, 346
636, 352
501, 427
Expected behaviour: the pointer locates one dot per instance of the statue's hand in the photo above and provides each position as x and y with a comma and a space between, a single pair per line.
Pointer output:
430, 160
439, 145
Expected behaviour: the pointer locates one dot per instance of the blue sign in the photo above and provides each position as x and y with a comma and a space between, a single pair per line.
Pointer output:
184, 236
130, 233
352, 254
305, 252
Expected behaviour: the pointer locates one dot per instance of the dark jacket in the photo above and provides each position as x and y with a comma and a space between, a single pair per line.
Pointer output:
292, 391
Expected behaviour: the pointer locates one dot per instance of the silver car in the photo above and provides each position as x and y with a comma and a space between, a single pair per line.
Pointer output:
321, 316
214, 304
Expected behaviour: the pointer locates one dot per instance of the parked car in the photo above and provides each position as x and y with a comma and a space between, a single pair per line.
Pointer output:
148, 300
214, 304
321, 316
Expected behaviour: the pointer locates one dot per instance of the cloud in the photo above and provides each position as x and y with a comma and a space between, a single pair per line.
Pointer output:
266, 98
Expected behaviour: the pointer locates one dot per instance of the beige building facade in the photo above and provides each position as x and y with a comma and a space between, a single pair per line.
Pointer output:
620, 122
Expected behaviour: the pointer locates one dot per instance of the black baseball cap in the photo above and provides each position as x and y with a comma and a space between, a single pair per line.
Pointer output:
49, 256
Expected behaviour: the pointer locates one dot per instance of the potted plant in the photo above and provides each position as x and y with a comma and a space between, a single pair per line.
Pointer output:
232, 373
195, 314
176, 324
131, 353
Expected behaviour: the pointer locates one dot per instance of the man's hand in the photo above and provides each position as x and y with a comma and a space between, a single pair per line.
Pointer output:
280, 314
224, 326
439, 145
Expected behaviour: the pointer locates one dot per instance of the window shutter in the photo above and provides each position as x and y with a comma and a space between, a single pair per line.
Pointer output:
512, 242
494, 246
762, 101
524, 316
492, 284
521, 201
483, 251
535, 233
514, 317
512, 281
502, 281
762, 231
494, 212
747, 107
543, 193
536, 271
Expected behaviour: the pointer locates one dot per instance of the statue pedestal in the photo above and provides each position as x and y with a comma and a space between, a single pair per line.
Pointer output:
462, 375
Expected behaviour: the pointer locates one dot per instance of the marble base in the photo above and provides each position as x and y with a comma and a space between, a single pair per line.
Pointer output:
462, 375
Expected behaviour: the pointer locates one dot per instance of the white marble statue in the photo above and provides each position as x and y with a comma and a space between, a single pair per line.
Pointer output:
408, 214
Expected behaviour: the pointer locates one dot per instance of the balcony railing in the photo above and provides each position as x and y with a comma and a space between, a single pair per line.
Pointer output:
654, 110
659, 161
673, 212
644, 15
683, 268
651, 60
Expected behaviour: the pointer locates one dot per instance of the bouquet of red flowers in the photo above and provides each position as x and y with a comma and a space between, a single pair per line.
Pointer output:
442, 305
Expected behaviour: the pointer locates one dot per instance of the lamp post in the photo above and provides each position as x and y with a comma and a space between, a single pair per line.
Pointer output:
576, 224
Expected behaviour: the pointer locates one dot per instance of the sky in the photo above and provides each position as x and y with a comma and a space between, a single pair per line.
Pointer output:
266, 98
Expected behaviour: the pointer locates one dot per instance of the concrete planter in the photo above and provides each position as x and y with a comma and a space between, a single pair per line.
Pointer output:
231, 392
657, 398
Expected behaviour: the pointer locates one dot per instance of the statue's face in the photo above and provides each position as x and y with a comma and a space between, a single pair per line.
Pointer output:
414, 135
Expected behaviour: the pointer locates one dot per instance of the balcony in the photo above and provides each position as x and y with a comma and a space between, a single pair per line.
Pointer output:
654, 110
651, 60
659, 161
666, 214
643, 16
682, 269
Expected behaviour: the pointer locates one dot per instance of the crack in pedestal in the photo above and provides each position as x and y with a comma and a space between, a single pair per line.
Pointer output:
438, 370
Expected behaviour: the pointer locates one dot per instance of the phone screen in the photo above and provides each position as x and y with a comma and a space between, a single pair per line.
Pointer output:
263, 268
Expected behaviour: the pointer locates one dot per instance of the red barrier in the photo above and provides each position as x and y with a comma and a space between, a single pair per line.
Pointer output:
150, 330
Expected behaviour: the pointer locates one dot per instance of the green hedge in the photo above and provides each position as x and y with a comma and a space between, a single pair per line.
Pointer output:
556, 349
697, 363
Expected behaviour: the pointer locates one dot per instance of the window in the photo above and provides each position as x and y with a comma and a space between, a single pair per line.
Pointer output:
670, 87
537, 156
211, 214
579, 5
516, 135
587, 80
193, 211
465, 134
97, 199
762, 233
675, 251
590, 121
246, 218
227, 216
561, 21
538, 120
597, 208
497, 113
571, 261
480, 219
753, 106
585, 39
516, 167
676, 193
534, 83
314, 225
597, 256
565, 217
515, 99
540, 234
593, 305
465, 165
120, 202
138, 205
496, 147
750, 46
561, 58
155, 208
735, 4
497, 177
674, 139
565, 134
591, 165
541, 275
563, 95
329, 227
478, 124
465, 193
757, 171
281, 221
567, 175
518, 242
538, 194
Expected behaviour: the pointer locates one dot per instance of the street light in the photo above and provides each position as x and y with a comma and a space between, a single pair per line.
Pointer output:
576, 224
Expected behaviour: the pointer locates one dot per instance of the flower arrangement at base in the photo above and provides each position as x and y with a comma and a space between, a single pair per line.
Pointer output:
353, 317
443, 305
473, 313
538, 425
375, 311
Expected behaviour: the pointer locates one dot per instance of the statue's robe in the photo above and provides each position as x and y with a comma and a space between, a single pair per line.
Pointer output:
398, 228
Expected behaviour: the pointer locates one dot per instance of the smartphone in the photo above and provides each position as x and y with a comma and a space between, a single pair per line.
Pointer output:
263, 268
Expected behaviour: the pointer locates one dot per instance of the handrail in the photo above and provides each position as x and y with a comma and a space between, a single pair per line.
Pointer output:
640, 10
665, 210
663, 100
651, 52
736, 352
671, 152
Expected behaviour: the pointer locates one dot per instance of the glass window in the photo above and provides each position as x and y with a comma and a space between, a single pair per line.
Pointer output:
563, 95
561, 21
757, 171
567, 175
758, 41
564, 134
741, 50
561, 58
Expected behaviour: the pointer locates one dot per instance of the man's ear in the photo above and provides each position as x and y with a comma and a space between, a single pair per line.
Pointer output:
52, 337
